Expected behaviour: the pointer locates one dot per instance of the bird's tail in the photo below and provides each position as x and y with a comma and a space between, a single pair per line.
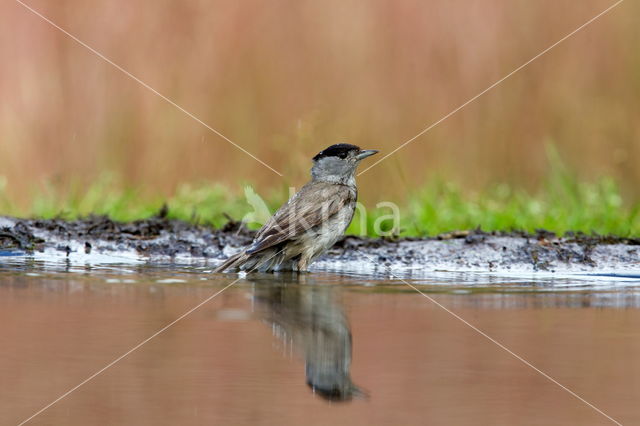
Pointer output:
233, 262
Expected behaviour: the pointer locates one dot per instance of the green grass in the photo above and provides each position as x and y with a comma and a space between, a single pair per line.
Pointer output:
562, 204
206, 203
560, 207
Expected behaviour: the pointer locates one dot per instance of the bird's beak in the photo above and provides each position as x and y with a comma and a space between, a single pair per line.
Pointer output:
366, 153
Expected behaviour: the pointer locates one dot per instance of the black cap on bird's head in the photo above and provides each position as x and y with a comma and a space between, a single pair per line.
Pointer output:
344, 150
340, 150
338, 163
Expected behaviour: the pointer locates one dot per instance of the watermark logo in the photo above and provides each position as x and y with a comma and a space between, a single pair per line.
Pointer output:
260, 213
294, 218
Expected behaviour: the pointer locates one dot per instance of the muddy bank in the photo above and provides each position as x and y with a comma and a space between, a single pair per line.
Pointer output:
163, 238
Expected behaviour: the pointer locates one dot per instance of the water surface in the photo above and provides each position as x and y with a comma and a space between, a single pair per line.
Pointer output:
321, 348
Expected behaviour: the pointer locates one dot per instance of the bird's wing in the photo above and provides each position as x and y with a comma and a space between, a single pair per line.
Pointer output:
310, 207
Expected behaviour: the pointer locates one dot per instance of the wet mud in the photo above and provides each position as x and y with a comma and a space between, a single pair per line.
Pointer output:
160, 237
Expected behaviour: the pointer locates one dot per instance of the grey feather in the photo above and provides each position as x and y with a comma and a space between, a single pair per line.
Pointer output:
311, 221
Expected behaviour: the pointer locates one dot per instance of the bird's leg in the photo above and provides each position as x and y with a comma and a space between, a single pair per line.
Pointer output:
303, 263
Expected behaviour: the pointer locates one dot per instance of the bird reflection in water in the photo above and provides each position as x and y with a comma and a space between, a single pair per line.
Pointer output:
306, 313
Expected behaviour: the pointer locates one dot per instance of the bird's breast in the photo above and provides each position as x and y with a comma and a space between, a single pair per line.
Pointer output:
322, 237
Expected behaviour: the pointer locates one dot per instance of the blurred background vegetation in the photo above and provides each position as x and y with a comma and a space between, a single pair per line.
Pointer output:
556, 146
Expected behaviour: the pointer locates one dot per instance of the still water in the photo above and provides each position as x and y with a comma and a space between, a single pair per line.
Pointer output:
316, 349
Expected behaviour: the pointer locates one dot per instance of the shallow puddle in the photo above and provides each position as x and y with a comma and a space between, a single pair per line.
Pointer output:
320, 348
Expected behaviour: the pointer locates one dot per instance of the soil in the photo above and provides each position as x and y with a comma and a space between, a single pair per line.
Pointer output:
458, 250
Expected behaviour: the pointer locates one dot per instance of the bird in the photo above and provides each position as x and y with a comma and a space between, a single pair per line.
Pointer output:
311, 221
